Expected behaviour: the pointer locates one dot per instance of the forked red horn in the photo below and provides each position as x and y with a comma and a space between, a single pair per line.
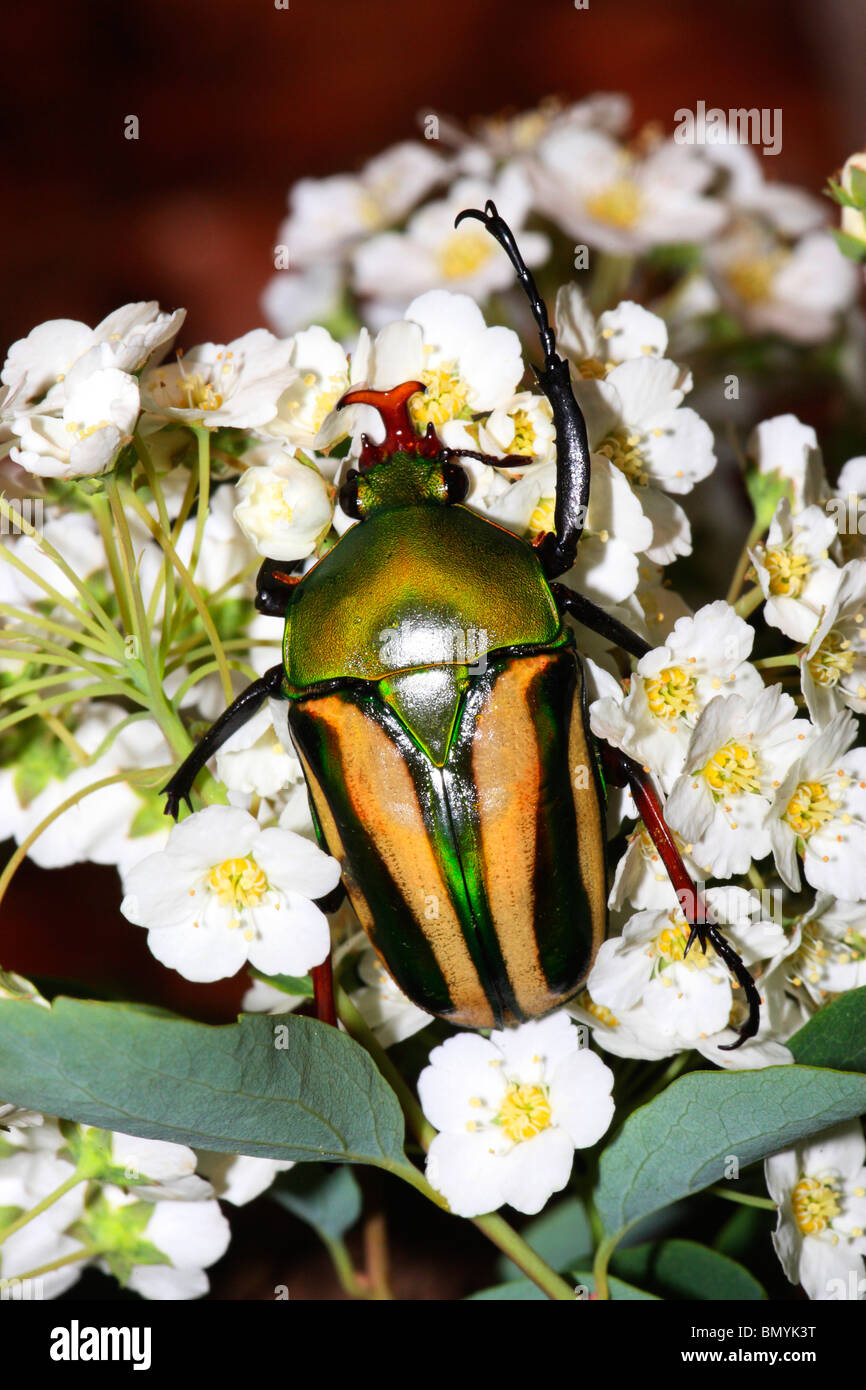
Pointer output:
400, 433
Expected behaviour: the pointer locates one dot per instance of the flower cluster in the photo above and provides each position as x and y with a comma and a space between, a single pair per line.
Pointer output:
143, 487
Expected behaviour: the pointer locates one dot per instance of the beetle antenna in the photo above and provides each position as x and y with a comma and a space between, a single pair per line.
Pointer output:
499, 228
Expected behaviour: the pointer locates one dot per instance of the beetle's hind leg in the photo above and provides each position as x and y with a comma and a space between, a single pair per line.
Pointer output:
557, 549
248, 703
622, 770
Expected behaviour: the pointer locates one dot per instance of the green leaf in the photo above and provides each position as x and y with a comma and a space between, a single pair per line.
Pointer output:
850, 246
685, 1269
286, 984
524, 1291
839, 195
561, 1236
679, 1142
836, 1036
857, 180
330, 1202
281, 1087
766, 491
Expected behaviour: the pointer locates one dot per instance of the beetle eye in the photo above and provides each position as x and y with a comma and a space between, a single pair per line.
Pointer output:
348, 495
456, 482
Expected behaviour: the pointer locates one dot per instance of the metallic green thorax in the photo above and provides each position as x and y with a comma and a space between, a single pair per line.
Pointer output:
414, 586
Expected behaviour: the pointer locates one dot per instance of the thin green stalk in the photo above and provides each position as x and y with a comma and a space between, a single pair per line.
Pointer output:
768, 663
202, 435
756, 878
33, 1212
96, 619
350, 1280
87, 1252
745, 561
161, 709
166, 576
102, 512
191, 590
41, 708
515, 1247
600, 1264
743, 1199
202, 672
27, 620
749, 602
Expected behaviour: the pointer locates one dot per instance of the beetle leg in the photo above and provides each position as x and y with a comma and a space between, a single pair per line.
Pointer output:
557, 549
243, 708
595, 618
705, 930
274, 584
323, 991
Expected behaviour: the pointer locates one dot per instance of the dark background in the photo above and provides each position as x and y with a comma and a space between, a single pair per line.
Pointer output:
235, 101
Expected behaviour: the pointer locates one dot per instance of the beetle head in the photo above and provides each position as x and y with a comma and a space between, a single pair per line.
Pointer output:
436, 480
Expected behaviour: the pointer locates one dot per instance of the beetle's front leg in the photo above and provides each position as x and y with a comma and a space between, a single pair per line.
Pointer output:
275, 583
624, 771
248, 703
595, 618
557, 549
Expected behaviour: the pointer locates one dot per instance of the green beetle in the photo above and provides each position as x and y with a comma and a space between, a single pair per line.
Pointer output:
437, 705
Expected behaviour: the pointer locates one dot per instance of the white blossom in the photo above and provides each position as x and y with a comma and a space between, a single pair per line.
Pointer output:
510, 1110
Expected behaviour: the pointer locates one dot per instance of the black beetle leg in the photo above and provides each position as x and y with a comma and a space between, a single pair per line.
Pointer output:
275, 583
623, 770
595, 618
243, 708
557, 550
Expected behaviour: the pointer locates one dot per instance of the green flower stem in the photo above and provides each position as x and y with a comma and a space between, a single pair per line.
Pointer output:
72, 1181
534, 1267
161, 709
87, 1252
89, 612
130, 775
166, 575
101, 509
191, 590
767, 663
749, 602
493, 1226
202, 435
41, 708
743, 1199
201, 672
93, 641
756, 878
184, 652
601, 1262
350, 1280
744, 563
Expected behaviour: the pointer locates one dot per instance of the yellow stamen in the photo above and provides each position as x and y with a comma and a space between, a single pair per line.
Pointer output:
732, 768
815, 1203
525, 1112
671, 692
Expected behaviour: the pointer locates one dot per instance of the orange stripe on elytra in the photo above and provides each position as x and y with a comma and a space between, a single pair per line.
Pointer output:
380, 784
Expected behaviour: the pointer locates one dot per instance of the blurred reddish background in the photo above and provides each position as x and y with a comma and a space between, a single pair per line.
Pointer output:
236, 101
